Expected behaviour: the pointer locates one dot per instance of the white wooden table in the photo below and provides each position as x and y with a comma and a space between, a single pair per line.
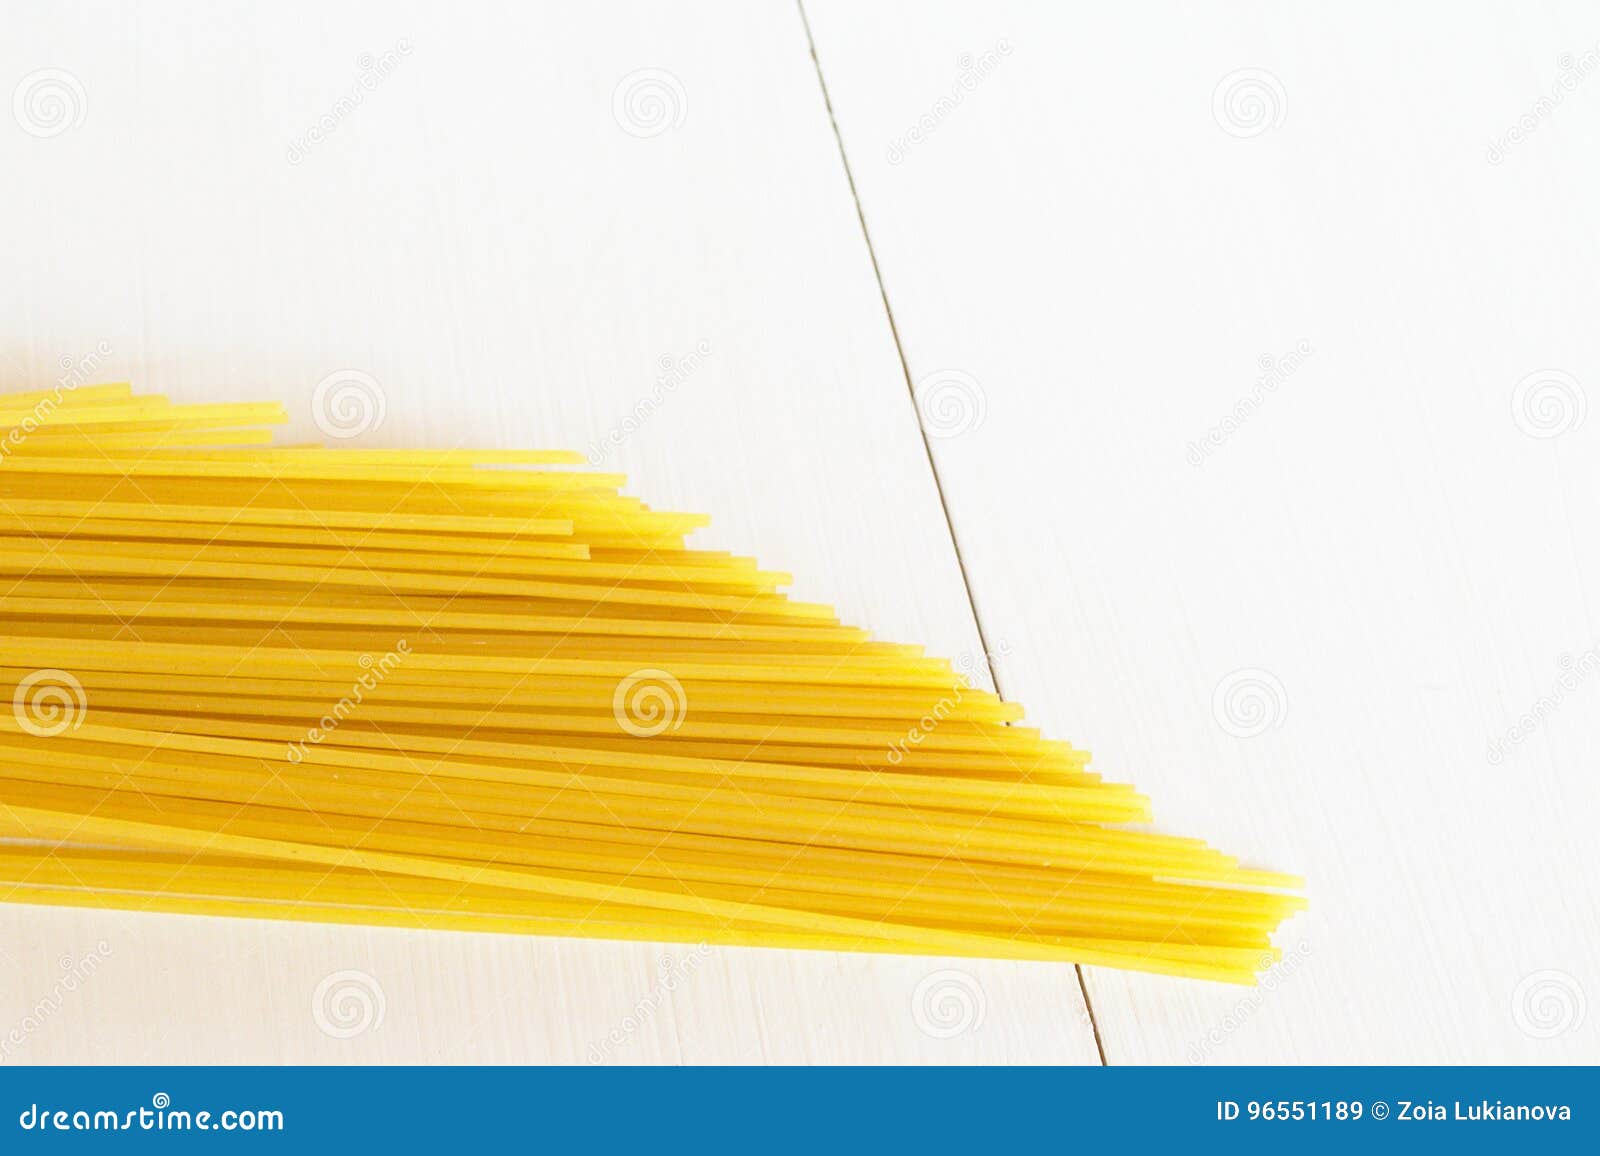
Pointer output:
1253, 345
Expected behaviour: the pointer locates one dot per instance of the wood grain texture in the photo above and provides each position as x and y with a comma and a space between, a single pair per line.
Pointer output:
480, 232
1385, 537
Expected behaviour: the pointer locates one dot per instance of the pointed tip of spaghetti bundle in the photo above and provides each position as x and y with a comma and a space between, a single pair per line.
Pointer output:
484, 690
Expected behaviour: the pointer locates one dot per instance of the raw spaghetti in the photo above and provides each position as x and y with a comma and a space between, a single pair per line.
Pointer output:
480, 690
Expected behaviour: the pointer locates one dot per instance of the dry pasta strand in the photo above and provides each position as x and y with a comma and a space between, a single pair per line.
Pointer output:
483, 690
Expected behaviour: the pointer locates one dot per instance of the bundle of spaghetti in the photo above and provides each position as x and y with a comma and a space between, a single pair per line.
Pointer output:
483, 690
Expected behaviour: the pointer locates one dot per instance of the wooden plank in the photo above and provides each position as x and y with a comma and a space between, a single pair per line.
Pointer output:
521, 246
1281, 325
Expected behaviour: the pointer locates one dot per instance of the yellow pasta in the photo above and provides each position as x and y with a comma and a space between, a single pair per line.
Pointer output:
483, 690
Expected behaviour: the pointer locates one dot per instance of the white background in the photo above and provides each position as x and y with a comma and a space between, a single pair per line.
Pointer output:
1079, 230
